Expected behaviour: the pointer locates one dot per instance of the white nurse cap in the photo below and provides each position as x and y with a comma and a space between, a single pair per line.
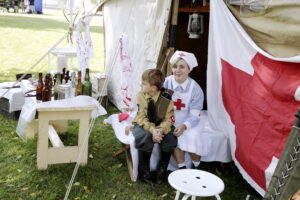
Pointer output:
189, 58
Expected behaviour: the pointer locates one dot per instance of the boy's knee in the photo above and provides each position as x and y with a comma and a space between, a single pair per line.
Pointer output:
169, 143
143, 139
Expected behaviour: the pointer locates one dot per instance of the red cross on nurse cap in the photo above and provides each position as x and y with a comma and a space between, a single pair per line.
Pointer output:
189, 58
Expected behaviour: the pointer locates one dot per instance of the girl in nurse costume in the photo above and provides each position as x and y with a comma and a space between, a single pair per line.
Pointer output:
188, 102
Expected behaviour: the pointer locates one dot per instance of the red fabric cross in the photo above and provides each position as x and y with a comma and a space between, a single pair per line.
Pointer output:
179, 104
181, 54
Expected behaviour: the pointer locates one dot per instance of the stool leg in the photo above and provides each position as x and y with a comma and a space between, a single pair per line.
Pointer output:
186, 196
177, 195
218, 197
193, 197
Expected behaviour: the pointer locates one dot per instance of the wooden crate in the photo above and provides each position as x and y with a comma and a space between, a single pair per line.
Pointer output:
98, 83
4, 109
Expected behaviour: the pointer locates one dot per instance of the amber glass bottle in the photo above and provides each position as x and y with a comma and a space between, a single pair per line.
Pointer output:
39, 88
79, 84
46, 90
87, 85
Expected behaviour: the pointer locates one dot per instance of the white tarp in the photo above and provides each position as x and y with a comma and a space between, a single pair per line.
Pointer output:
144, 22
252, 96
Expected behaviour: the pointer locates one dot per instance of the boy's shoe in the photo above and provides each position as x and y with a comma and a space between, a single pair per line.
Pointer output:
161, 172
160, 175
146, 177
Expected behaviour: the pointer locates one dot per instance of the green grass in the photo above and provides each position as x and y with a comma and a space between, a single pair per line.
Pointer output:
24, 38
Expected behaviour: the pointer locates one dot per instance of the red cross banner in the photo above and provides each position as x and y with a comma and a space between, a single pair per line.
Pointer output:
252, 96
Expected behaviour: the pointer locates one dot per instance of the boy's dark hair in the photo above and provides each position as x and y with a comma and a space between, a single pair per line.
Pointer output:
154, 77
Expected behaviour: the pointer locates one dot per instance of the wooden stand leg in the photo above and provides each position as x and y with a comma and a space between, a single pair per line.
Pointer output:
83, 132
42, 146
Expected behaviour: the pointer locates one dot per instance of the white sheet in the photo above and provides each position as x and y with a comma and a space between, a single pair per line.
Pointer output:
31, 106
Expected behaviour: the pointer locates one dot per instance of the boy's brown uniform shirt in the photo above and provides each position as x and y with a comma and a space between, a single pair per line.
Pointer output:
142, 119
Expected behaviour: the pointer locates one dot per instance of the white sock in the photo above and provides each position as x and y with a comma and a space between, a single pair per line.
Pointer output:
196, 163
181, 165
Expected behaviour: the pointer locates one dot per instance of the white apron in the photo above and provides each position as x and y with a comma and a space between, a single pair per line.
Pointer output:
192, 140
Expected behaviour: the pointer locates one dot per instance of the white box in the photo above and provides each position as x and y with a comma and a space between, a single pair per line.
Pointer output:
98, 84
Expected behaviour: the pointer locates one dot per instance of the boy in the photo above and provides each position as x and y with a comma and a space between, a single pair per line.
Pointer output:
154, 124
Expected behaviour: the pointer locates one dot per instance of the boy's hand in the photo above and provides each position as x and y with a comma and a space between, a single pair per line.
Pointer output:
128, 129
179, 130
157, 135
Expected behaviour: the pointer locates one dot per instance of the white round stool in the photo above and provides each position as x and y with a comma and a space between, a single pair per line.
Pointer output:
194, 183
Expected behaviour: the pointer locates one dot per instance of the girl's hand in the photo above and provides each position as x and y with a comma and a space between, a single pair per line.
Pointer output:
179, 130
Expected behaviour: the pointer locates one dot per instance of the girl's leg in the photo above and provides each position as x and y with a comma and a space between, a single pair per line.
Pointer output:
179, 157
195, 159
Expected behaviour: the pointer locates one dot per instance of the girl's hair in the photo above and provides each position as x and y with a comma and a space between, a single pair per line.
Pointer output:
176, 61
154, 77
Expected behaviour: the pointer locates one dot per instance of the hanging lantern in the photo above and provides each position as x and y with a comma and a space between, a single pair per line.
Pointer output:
195, 26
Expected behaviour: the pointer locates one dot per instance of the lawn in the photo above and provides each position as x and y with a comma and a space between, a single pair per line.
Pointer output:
24, 39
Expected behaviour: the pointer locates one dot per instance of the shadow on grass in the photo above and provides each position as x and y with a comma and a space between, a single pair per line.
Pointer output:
35, 23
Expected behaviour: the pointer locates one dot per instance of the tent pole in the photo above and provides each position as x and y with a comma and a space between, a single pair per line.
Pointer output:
174, 24
172, 39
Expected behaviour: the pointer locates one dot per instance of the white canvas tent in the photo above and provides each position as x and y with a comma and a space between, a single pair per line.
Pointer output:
272, 32
144, 22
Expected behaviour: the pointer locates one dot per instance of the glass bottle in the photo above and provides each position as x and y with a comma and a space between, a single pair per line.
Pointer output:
87, 85
63, 74
46, 90
73, 85
39, 88
79, 84
56, 86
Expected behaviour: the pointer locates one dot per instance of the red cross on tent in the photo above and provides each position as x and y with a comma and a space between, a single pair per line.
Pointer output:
179, 104
181, 54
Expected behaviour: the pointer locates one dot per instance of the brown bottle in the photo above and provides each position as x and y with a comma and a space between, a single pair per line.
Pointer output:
39, 88
79, 84
46, 90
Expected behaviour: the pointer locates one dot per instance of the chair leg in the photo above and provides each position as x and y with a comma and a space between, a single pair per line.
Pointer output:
128, 160
218, 197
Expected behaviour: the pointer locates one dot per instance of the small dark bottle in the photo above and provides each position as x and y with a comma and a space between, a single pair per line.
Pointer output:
56, 85
67, 76
46, 90
39, 88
